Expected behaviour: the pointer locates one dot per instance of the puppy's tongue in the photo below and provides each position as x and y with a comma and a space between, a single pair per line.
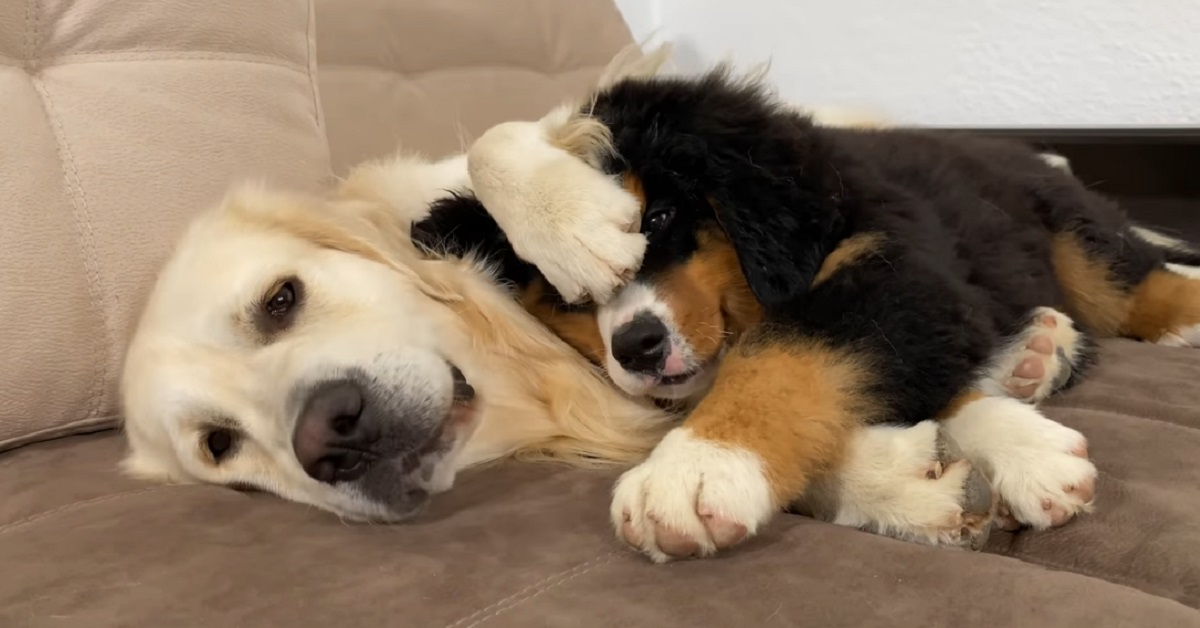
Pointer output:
674, 365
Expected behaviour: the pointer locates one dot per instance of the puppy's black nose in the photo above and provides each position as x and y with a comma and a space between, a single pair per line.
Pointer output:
642, 344
330, 441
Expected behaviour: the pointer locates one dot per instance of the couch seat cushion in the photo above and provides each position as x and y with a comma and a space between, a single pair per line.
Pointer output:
529, 545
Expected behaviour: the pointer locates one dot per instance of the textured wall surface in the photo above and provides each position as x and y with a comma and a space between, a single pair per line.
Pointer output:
980, 63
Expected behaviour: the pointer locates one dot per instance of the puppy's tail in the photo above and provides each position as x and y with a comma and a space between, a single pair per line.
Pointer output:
1175, 250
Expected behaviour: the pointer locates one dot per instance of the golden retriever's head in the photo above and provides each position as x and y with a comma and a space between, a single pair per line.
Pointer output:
289, 347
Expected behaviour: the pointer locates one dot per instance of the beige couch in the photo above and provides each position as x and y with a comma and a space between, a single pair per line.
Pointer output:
122, 118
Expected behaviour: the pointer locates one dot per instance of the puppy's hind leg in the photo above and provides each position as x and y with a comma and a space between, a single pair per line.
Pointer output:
907, 483
1124, 281
1166, 307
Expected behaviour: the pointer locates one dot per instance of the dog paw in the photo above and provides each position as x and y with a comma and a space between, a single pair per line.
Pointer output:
1039, 468
907, 483
691, 498
576, 224
1041, 361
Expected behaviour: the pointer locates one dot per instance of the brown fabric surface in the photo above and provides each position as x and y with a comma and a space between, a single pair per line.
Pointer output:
527, 545
422, 74
1140, 410
120, 119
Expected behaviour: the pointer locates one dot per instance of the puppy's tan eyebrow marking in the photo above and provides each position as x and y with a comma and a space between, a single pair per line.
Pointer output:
633, 184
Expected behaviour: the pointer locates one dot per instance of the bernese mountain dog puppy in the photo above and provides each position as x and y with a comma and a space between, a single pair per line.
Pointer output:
908, 483
847, 278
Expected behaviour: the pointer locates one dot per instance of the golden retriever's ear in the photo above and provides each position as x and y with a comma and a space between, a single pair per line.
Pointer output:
394, 237
361, 228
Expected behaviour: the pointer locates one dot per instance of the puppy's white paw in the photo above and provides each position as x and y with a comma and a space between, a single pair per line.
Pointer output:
691, 497
1039, 467
906, 483
577, 225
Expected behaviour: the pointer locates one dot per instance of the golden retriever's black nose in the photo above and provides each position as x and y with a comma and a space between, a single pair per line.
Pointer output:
642, 344
329, 440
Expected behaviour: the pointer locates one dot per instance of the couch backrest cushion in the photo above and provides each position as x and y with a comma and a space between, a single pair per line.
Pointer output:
426, 75
121, 119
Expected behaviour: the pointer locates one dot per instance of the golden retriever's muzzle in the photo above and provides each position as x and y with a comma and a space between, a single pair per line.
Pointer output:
353, 430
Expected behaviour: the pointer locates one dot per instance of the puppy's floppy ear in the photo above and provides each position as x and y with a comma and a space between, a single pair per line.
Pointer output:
780, 230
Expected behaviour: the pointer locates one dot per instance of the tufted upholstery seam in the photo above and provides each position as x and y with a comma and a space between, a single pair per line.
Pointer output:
326, 66
87, 242
76, 505
27, 34
166, 55
311, 70
79, 210
532, 591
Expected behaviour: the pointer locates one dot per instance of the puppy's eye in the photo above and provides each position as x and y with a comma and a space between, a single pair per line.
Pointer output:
658, 219
220, 442
281, 301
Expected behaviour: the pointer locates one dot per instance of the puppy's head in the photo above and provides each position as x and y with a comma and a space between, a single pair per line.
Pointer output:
289, 347
663, 334
740, 209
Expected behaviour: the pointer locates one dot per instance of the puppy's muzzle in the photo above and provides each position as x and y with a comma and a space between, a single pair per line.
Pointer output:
642, 344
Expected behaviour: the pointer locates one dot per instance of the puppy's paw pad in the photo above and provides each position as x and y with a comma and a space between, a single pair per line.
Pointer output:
1041, 364
724, 532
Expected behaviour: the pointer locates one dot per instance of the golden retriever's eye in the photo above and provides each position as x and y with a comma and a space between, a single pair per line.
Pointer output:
658, 219
276, 310
220, 442
281, 301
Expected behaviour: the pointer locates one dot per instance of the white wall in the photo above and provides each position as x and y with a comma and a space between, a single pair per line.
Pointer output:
965, 63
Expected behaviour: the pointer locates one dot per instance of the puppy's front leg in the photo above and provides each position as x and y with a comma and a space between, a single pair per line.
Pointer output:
780, 413
578, 225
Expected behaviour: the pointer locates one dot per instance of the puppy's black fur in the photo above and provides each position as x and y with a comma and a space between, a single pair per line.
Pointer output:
968, 226
459, 225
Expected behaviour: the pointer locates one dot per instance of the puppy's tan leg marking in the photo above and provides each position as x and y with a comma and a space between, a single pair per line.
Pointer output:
1166, 310
777, 416
1093, 298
